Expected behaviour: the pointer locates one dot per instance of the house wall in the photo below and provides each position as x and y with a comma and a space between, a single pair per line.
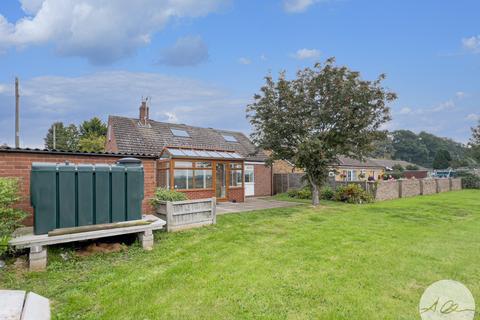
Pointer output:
375, 172
233, 194
282, 166
263, 180
18, 164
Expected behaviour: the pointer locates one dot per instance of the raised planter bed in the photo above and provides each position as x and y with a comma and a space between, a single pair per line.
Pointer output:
187, 214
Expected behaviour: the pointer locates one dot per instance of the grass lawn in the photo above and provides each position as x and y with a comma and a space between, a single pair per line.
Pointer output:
337, 261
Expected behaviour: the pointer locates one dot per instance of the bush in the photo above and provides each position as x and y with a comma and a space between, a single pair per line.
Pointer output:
10, 218
304, 193
411, 167
469, 180
327, 193
164, 194
352, 193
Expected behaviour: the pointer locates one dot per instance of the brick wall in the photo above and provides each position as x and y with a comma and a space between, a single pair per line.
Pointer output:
456, 184
443, 185
429, 186
263, 180
410, 188
387, 190
18, 164
234, 194
282, 166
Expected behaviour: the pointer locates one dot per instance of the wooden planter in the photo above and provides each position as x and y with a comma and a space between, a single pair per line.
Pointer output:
187, 214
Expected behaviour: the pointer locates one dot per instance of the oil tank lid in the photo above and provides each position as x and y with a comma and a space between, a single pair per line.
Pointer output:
129, 161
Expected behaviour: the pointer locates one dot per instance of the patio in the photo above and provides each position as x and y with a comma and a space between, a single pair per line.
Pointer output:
252, 204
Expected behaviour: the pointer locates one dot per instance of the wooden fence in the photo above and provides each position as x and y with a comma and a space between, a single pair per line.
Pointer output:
187, 214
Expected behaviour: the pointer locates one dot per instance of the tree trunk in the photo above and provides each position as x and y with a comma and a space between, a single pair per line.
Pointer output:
315, 195
315, 191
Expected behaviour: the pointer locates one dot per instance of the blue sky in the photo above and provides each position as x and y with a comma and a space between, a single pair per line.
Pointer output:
202, 61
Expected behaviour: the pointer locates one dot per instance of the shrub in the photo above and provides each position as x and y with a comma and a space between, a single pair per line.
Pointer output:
352, 193
164, 194
469, 180
292, 193
327, 193
10, 218
411, 167
304, 193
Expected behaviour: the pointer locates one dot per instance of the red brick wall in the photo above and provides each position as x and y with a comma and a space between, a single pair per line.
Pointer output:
18, 165
233, 194
263, 180
236, 194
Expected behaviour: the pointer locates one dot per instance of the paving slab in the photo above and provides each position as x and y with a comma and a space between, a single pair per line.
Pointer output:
252, 204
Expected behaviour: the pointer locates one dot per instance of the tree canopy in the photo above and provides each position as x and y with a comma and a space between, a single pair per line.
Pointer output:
421, 148
325, 112
66, 137
88, 137
442, 160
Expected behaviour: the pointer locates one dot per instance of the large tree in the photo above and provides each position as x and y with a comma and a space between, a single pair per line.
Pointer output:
475, 143
92, 135
325, 112
66, 137
93, 127
442, 160
409, 147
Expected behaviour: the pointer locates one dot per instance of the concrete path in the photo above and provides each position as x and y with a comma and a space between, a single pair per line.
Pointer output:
252, 204
19, 305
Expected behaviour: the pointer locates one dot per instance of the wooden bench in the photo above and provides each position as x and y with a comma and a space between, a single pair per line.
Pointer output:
19, 305
38, 243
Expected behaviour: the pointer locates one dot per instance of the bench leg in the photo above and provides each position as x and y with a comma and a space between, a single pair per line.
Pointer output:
146, 238
37, 258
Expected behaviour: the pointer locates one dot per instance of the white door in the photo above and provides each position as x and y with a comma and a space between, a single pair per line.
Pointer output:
249, 181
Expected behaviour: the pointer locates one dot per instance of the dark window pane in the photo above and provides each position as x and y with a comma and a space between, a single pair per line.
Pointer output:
183, 179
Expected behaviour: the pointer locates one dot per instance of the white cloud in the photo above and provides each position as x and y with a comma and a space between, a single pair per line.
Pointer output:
473, 117
244, 60
263, 57
472, 44
460, 94
171, 117
446, 105
74, 99
405, 111
303, 54
101, 31
296, 6
187, 51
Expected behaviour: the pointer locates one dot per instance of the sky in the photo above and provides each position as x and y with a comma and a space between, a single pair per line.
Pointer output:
201, 62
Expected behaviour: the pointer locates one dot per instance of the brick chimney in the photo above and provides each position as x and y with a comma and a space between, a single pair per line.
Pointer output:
144, 112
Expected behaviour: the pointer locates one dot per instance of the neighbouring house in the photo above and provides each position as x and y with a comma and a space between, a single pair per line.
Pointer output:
349, 169
200, 162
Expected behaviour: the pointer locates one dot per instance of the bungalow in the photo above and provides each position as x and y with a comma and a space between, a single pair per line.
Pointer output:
349, 169
200, 162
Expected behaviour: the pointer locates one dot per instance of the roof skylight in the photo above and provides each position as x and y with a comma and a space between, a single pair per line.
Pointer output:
180, 133
229, 138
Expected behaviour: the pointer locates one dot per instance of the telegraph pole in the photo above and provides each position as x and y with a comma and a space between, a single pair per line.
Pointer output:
17, 115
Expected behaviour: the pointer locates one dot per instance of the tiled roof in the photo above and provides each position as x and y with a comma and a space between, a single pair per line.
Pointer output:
349, 162
130, 136
73, 152
387, 163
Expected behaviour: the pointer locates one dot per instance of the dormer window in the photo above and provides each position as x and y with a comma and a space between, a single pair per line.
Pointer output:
229, 138
180, 133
